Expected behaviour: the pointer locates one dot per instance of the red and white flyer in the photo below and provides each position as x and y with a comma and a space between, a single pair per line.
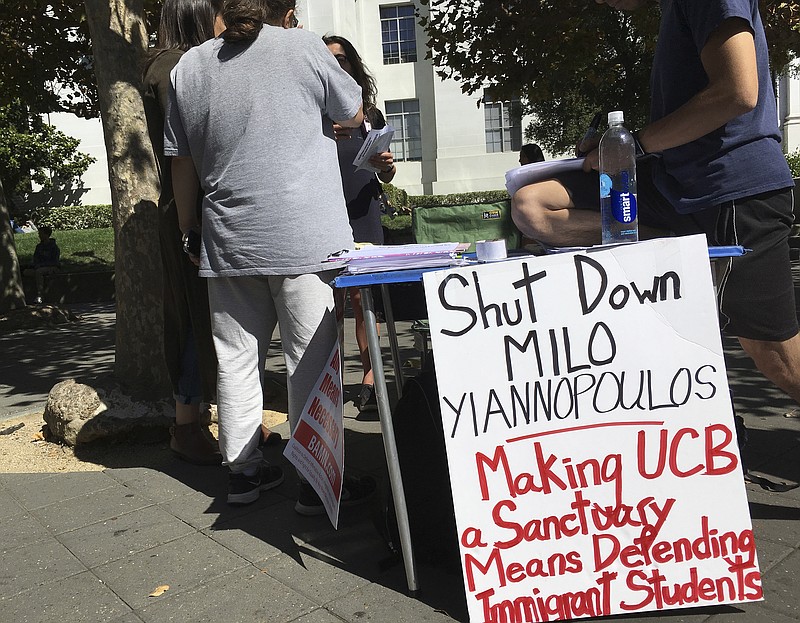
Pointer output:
316, 448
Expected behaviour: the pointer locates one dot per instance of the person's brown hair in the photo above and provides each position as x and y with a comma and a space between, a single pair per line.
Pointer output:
369, 92
183, 24
244, 18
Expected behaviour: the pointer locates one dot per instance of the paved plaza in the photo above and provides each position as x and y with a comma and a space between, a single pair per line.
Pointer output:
94, 546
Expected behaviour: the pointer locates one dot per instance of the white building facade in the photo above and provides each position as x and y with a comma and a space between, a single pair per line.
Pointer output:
789, 108
445, 141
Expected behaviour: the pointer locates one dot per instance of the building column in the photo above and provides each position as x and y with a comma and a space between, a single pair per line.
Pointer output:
789, 108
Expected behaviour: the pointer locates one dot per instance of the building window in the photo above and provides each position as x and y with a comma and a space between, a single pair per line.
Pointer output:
403, 116
398, 34
503, 122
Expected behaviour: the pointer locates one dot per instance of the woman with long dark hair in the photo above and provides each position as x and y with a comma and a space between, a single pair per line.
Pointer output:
249, 117
362, 191
188, 348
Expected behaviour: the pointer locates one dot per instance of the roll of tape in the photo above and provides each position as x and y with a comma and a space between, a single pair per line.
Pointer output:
490, 250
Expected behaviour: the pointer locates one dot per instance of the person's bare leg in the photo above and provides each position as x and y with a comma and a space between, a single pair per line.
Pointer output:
187, 414
778, 361
361, 336
544, 211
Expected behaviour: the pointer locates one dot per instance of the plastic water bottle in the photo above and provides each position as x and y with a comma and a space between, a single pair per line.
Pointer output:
618, 209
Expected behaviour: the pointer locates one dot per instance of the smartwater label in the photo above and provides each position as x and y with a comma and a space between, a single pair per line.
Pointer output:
605, 185
623, 206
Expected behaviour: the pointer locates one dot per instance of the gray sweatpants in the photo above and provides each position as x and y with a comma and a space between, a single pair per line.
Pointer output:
244, 312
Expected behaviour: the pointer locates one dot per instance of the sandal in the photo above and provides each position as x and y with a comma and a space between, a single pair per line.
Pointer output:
366, 399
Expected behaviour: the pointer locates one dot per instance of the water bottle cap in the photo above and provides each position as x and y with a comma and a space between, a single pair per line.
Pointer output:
616, 117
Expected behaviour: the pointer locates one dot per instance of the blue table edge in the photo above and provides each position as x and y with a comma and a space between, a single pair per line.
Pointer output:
415, 274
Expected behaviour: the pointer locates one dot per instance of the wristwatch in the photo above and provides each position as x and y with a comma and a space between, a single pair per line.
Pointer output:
639, 149
191, 242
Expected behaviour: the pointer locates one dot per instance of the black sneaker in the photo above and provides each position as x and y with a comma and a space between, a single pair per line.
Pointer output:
366, 399
244, 489
355, 491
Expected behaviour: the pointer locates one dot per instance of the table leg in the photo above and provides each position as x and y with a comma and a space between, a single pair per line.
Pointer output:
389, 444
392, 331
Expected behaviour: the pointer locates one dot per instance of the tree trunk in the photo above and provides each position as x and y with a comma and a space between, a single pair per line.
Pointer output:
119, 41
10, 277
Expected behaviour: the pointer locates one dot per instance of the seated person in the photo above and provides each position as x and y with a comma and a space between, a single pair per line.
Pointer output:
46, 259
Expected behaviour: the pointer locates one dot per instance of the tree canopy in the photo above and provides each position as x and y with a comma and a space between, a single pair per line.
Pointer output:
46, 57
566, 59
33, 151
45, 60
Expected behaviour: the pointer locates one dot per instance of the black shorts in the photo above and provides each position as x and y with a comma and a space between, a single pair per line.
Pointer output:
756, 293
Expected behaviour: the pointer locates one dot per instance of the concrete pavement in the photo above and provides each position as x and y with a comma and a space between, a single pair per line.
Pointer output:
34, 360
94, 546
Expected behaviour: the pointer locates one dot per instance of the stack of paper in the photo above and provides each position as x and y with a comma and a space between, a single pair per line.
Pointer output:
376, 258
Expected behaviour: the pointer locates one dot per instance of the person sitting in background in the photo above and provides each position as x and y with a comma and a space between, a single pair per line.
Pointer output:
46, 258
28, 227
529, 153
362, 192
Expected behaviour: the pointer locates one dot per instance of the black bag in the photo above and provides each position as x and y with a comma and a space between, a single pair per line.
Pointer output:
423, 465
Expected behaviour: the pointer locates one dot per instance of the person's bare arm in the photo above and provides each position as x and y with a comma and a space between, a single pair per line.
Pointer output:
729, 58
185, 187
354, 122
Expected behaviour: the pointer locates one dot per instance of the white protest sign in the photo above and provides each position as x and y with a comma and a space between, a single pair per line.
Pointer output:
590, 435
316, 448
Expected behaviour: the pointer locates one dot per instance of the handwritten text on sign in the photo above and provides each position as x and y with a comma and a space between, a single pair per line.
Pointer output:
590, 437
316, 448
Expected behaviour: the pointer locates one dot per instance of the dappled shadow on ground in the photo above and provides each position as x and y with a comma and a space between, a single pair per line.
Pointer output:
36, 359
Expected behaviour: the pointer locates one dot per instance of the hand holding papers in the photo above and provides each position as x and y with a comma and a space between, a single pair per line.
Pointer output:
377, 142
400, 257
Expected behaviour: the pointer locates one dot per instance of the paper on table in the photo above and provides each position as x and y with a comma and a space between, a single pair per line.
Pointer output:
377, 142
538, 171
395, 257
405, 263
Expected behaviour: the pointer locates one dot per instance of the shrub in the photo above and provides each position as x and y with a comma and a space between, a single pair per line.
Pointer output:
399, 222
794, 162
484, 196
397, 197
74, 217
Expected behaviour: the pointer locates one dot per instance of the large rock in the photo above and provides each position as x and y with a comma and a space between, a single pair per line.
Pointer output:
77, 413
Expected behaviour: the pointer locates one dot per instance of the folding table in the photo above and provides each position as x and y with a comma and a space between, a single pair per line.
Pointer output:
720, 257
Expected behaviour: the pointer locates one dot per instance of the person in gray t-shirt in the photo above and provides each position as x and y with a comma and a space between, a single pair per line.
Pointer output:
250, 116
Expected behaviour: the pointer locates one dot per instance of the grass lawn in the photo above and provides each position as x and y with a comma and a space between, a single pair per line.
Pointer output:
81, 249
93, 249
